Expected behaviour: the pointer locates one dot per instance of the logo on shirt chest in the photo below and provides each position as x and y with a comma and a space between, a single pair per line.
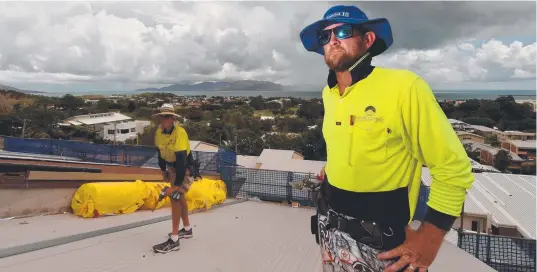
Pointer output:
370, 116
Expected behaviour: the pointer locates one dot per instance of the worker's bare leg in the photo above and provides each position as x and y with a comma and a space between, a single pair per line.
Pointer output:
176, 216
184, 212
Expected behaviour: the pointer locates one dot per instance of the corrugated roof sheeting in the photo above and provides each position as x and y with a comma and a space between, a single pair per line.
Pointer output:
510, 199
93, 119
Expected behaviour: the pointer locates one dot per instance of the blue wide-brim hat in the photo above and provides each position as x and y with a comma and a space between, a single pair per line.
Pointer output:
350, 15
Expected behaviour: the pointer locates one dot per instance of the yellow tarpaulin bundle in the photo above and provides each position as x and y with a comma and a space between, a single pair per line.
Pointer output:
103, 198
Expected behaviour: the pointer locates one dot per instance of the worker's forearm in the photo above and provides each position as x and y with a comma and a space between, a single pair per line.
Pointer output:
180, 167
161, 161
440, 220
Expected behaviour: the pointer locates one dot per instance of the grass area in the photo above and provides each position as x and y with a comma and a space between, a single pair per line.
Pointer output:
263, 113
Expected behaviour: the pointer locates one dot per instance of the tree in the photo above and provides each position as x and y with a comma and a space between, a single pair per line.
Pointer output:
493, 141
528, 169
71, 103
473, 154
311, 111
502, 160
5, 107
131, 106
257, 103
195, 115
295, 125
273, 105
248, 143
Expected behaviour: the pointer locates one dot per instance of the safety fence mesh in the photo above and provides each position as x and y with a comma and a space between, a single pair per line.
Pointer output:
132, 155
500, 252
267, 185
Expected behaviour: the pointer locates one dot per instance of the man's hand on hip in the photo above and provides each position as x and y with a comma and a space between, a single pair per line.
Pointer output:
418, 251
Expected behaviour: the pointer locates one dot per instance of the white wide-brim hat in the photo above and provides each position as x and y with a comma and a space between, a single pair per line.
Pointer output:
166, 109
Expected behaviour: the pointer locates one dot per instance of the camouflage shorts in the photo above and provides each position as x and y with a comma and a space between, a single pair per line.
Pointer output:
340, 252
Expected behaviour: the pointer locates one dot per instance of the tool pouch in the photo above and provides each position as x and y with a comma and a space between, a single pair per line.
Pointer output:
315, 227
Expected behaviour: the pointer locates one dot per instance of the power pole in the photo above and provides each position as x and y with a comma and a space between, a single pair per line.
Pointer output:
236, 143
115, 132
23, 127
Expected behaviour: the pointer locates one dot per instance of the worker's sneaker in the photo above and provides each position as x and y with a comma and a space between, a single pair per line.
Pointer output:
184, 233
167, 246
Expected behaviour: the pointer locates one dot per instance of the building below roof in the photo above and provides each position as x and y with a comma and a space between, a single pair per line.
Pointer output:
98, 118
490, 149
521, 144
476, 166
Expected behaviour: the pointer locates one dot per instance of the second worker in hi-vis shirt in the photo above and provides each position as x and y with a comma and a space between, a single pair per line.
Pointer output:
380, 126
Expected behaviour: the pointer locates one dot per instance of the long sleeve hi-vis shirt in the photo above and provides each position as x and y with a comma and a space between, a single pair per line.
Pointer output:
173, 149
379, 133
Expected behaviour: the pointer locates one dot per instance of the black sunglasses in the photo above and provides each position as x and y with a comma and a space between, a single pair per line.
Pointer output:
342, 32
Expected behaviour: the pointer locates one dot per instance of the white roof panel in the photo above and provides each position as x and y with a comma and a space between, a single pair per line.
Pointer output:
100, 118
247, 161
524, 144
484, 128
275, 155
300, 166
510, 199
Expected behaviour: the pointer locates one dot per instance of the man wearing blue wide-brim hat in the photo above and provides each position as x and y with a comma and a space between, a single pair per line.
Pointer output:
380, 127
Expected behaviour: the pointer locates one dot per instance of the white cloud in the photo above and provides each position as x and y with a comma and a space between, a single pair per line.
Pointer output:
137, 43
492, 61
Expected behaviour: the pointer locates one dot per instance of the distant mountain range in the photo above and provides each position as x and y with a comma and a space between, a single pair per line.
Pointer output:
9, 88
240, 85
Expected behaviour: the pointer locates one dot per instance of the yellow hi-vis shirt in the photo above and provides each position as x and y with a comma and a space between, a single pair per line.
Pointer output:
168, 144
382, 130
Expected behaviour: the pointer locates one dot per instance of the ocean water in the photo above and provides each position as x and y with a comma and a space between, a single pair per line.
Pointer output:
440, 95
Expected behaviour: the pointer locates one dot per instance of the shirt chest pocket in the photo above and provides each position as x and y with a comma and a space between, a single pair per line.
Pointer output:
167, 150
368, 144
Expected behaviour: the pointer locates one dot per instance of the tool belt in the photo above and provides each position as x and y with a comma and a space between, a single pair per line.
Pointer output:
367, 232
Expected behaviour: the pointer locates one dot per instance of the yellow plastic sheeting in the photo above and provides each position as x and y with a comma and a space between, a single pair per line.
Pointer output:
204, 193
103, 198
151, 200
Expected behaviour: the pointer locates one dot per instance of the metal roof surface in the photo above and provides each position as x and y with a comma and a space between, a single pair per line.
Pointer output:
247, 236
271, 155
524, 144
484, 128
510, 199
100, 118
302, 166
247, 161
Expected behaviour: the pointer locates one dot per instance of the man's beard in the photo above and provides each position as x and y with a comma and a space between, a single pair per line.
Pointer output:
341, 63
